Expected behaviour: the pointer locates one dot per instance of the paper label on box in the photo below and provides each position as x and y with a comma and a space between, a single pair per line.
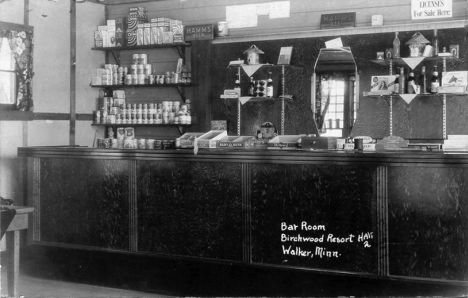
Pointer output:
379, 83
454, 78
131, 38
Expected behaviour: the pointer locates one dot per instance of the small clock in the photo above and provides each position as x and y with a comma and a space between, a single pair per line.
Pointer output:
377, 20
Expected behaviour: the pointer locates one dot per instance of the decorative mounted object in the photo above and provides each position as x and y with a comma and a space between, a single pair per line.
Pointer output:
338, 20
253, 55
416, 44
454, 50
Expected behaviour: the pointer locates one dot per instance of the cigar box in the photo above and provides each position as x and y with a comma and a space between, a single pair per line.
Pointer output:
319, 143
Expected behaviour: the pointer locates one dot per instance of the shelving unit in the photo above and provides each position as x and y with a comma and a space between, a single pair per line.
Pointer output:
180, 87
180, 47
244, 99
412, 62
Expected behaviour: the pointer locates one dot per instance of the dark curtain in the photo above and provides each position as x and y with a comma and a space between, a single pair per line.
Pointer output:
21, 43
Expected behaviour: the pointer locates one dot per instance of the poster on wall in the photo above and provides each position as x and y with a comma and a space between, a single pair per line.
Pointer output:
431, 9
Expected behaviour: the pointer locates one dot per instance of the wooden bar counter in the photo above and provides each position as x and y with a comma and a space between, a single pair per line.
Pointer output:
380, 216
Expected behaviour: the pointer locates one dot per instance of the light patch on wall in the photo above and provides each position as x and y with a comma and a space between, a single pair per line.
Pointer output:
244, 16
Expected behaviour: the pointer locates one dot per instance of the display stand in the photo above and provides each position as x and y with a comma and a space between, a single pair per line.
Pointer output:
412, 62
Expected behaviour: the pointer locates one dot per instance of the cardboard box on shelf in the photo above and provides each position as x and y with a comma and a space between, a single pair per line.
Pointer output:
209, 139
319, 143
187, 140
382, 83
232, 142
454, 78
285, 142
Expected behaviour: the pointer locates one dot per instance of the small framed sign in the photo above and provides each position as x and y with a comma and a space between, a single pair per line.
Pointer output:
199, 32
285, 55
338, 20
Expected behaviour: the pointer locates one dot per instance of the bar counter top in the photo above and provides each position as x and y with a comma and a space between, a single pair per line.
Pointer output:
253, 155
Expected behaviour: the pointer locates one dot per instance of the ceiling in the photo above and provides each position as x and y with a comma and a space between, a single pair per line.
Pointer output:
118, 2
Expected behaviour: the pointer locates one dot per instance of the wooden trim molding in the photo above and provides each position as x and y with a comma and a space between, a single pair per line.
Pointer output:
14, 115
343, 31
62, 116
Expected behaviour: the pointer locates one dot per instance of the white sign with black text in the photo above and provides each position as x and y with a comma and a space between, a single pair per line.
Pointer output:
431, 9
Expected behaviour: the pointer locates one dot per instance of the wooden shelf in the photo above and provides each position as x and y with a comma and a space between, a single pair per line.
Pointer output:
141, 86
139, 125
401, 61
180, 127
142, 47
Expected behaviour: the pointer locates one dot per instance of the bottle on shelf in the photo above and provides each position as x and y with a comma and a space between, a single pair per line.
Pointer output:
434, 80
260, 88
269, 86
422, 80
402, 80
435, 44
396, 46
411, 83
251, 87
237, 86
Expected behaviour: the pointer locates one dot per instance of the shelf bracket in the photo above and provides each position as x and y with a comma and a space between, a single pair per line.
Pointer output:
116, 57
181, 129
181, 51
181, 92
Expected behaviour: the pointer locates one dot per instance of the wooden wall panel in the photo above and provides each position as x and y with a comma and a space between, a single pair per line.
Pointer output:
422, 119
190, 209
304, 14
342, 198
428, 222
85, 202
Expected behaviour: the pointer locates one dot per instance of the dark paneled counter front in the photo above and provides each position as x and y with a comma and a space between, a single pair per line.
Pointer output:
377, 215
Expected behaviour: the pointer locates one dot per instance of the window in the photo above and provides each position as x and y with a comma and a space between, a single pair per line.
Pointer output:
16, 64
337, 99
7, 74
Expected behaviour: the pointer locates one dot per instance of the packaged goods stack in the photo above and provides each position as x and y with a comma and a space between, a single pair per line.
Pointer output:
111, 107
136, 16
135, 30
111, 74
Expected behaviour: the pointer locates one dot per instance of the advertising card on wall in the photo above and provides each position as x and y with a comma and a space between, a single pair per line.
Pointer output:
431, 9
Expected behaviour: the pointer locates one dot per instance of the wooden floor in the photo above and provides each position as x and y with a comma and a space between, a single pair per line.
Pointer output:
56, 272
30, 286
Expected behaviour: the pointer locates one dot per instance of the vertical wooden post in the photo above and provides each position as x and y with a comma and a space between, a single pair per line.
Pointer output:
72, 72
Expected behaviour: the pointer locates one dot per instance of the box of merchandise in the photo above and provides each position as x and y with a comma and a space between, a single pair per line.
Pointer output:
98, 41
118, 94
111, 38
231, 142
120, 39
383, 83
319, 143
154, 33
131, 38
187, 140
121, 24
454, 78
178, 32
209, 139
288, 142
365, 147
168, 37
